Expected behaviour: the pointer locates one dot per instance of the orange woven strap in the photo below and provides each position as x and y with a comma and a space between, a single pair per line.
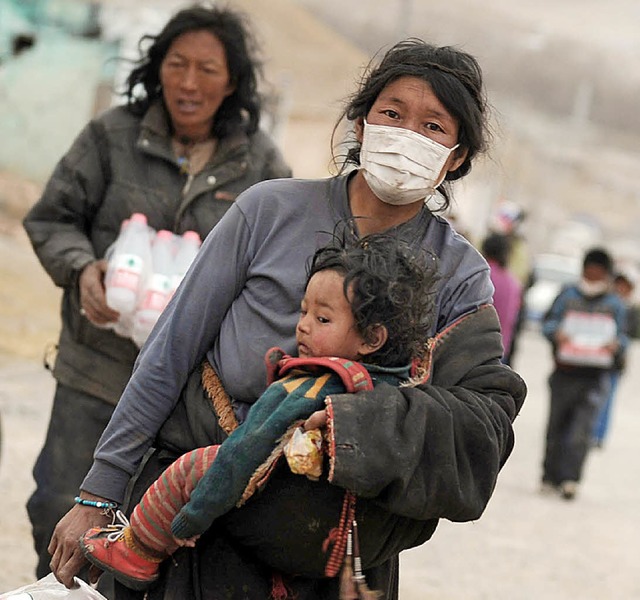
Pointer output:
219, 398
338, 536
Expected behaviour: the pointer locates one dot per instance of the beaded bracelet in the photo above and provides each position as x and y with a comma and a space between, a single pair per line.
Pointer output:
95, 503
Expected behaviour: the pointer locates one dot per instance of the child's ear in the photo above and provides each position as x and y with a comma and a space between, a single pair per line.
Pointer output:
377, 337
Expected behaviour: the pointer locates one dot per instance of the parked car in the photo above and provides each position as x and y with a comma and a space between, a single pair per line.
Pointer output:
550, 273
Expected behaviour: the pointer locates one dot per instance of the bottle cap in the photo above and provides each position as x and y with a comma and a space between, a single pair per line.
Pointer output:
192, 236
139, 218
164, 234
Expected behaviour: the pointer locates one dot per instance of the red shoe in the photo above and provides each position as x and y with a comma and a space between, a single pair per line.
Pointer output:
114, 549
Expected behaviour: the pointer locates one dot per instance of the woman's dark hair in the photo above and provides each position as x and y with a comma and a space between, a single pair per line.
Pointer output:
455, 78
241, 108
386, 283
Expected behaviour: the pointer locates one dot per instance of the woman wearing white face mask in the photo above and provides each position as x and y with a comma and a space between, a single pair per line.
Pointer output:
425, 121
402, 166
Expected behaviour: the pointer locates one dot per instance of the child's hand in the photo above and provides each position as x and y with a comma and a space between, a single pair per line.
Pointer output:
188, 542
318, 420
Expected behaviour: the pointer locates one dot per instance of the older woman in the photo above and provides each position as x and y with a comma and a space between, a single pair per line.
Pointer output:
412, 455
184, 146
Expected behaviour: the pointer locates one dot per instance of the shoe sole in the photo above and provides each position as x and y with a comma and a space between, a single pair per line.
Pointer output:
131, 582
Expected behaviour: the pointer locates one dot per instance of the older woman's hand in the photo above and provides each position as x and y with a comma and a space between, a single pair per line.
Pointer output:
93, 300
67, 557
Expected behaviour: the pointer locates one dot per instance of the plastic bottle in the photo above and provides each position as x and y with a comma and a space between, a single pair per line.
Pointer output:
124, 324
157, 291
188, 247
128, 264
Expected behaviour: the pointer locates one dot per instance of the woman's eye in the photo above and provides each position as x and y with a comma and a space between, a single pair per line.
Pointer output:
323, 319
392, 114
434, 127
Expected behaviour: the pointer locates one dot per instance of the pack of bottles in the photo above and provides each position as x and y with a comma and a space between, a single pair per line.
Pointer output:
144, 270
589, 339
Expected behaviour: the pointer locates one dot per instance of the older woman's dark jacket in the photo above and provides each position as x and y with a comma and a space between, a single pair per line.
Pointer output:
121, 164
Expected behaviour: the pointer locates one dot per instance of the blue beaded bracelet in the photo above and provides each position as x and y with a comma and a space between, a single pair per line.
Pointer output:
95, 503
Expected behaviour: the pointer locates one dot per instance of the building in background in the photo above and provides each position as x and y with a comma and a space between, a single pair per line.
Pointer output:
54, 65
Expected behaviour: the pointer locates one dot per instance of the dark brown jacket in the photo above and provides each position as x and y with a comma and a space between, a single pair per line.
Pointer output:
120, 164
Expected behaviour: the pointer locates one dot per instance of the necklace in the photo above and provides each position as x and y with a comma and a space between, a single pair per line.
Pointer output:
193, 155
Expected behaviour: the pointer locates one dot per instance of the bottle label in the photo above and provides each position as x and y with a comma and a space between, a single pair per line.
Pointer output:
156, 295
126, 271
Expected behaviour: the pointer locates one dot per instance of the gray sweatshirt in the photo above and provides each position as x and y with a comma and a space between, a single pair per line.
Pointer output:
242, 295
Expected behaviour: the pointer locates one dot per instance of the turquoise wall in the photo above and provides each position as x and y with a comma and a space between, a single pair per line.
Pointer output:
48, 92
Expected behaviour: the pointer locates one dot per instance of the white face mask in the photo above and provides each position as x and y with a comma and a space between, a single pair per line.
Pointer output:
593, 288
399, 165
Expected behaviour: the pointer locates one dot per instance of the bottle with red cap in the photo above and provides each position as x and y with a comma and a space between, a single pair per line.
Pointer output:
128, 265
188, 245
157, 290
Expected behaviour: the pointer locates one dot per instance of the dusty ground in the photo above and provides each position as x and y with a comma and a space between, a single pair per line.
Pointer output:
28, 322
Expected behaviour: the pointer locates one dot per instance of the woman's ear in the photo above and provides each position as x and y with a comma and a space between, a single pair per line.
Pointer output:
376, 338
456, 158
231, 87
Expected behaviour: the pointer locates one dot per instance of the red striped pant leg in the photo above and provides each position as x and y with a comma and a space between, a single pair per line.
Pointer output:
151, 518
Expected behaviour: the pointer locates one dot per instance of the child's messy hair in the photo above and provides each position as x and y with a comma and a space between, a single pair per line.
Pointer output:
385, 282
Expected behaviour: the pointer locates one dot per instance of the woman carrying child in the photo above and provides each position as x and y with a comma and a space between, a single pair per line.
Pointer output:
366, 301
412, 455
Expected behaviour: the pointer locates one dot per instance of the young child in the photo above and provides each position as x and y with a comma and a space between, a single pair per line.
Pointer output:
369, 300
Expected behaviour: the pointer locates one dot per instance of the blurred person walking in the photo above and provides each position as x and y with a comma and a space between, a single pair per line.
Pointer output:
586, 327
186, 143
623, 286
507, 297
509, 221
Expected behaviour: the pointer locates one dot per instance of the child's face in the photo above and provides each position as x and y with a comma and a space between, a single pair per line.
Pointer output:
326, 326
595, 273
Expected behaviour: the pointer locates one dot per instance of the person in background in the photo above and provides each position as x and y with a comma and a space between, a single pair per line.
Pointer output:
186, 143
509, 221
507, 297
417, 121
586, 327
623, 286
